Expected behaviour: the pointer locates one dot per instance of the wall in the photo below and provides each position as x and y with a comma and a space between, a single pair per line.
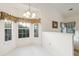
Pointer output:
6, 46
49, 14
58, 44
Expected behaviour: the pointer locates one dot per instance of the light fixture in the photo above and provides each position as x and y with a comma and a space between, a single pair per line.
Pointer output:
33, 15
29, 13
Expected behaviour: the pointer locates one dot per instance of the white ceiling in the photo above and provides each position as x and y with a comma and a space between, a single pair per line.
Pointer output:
63, 8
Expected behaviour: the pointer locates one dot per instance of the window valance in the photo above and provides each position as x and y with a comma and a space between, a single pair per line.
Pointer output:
4, 15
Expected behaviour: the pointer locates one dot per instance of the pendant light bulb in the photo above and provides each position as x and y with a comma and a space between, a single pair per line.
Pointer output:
24, 14
28, 13
33, 15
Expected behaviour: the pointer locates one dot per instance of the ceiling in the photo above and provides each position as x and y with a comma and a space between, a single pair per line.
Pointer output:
63, 8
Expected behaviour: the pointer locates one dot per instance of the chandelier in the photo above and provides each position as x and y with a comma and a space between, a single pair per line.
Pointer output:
28, 13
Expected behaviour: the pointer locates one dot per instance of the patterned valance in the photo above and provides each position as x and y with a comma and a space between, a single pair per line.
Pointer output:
4, 15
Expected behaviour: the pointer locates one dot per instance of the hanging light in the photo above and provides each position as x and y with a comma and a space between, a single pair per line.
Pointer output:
29, 14
33, 15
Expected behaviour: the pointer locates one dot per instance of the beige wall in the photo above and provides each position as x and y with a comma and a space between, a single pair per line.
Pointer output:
49, 15
47, 21
6, 46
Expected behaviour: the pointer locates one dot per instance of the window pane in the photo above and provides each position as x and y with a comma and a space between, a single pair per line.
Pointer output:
20, 35
24, 35
36, 33
5, 31
5, 37
8, 37
7, 25
23, 31
21, 26
36, 26
8, 31
36, 30
27, 33
20, 31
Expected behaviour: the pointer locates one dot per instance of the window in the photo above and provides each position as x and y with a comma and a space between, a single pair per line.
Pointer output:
68, 27
23, 31
36, 30
8, 31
